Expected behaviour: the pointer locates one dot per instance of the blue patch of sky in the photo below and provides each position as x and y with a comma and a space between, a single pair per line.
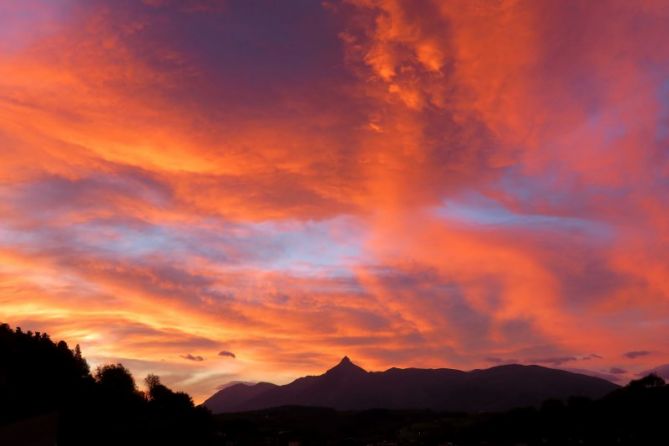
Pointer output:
663, 126
24, 21
317, 247
12, 237
661, 160
306, 247
130, 241
475, 209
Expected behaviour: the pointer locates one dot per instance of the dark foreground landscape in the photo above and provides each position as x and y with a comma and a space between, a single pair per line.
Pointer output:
49, 396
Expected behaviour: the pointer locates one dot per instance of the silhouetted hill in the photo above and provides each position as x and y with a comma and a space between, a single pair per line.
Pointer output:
349, 387
236, 396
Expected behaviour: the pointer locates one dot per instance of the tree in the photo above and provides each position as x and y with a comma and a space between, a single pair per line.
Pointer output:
81, 362
647, 382
166, 398
152, 382
115, 379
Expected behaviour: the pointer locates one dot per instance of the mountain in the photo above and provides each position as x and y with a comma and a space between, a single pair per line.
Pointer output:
349, 387
235, 397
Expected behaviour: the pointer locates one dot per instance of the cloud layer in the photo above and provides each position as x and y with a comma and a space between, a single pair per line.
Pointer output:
409, 183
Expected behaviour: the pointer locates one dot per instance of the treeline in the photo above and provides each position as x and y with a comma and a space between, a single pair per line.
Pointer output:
632, 415
39, 376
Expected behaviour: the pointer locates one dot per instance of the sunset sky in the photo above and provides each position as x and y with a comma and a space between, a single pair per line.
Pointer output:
220, 190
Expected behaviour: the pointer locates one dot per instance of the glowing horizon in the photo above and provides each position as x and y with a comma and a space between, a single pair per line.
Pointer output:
222, 190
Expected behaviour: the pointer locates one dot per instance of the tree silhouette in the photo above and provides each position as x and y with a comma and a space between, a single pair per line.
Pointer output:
151, 381
173, 416
115, 379
647, 382
81, 362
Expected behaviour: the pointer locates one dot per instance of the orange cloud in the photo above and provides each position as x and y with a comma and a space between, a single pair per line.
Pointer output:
409, 183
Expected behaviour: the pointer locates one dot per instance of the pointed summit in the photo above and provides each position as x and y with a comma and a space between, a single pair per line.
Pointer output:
345, 366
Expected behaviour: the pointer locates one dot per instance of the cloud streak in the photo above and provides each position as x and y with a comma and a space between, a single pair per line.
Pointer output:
636, 354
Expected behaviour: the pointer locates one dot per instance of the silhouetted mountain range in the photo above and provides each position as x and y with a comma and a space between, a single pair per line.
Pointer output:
349, 387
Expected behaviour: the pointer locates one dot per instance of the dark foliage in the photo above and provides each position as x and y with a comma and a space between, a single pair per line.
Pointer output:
39, 377
169, 409
36, 375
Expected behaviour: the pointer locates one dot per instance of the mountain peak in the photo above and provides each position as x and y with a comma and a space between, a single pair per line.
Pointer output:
345, 366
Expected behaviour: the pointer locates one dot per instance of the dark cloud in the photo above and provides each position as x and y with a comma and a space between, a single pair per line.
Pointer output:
193, 358
617, 371
636, 354
559, 360
226, 353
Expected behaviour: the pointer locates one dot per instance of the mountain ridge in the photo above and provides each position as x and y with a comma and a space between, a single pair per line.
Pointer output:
348, 386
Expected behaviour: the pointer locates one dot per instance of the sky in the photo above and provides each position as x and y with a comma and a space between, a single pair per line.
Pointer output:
225, 190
